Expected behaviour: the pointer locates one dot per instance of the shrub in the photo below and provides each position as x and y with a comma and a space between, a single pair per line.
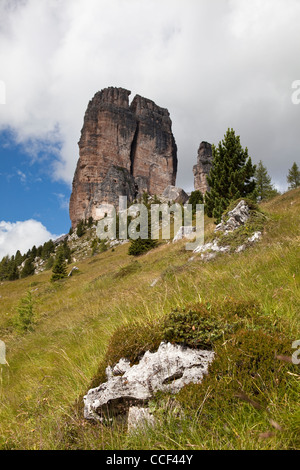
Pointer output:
244, 368
128, 269
194, 327
140, 246
102, 246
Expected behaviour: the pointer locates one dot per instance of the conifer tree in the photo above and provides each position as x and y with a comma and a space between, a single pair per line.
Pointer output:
47, 249
13, 270
59, 270
231, 176
33, 251
80, 229
67, 251
24, 320
196, 197
28, 269
293, 177
142, 245
19, 258
4, 268
264, 188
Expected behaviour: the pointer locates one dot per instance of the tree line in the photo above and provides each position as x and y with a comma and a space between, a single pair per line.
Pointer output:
21, 266
232, 176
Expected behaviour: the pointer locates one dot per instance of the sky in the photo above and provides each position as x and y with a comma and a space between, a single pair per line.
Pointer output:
213, 64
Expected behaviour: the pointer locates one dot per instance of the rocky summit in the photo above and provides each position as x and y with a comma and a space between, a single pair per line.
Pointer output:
124, 150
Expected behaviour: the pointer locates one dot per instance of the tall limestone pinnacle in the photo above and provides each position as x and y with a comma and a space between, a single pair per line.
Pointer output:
124, 150
203, 167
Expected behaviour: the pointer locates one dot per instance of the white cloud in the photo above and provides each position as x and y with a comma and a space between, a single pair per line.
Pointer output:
63, 201
22, 236
214, 65
22, 176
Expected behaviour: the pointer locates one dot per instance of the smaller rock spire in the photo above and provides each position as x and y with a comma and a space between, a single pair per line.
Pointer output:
203, 167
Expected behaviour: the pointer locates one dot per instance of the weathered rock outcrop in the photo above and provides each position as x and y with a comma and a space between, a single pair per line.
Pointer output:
231, 221
203, 167
174, 194
168, 369
124, 150
235, 218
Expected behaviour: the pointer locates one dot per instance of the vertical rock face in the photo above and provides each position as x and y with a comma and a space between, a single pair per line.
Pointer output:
124, 150
202, 169
155, 153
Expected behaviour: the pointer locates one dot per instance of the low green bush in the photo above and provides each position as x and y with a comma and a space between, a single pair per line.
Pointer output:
140, 246
194, 327
128, 269
245, 368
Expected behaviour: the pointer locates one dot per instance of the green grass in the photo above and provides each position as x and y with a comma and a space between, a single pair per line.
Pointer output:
109, 309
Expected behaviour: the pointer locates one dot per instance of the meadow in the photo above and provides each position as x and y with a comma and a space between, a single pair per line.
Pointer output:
111, 307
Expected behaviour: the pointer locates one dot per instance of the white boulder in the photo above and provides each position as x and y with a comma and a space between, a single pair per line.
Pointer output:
168, 369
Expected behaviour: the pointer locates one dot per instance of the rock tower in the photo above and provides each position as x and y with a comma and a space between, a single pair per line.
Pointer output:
124, 150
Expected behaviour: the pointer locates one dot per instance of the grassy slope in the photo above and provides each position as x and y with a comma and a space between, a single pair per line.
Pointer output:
49, 368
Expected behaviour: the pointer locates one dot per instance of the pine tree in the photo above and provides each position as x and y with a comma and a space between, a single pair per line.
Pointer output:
13, 270
196, 197
142, 245
19, 258
48, 248
80, 229
33, 251
39, 251
231, 176
4, 268
59, 270
28, 269
67, 251
264, 187
293, 177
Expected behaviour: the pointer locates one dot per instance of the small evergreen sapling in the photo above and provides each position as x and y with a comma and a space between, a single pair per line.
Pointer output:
264, 186
24, 319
